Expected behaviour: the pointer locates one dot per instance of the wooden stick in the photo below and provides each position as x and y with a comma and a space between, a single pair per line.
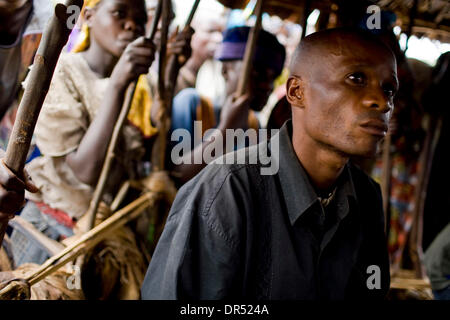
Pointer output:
400, 283
425, 164
53, 40
154, 26
168, 88
173, 66
304, 22
89, 239
159, 146
164, 35
120, 195
99, 189
250, 50
50, 246
192, 13
83, 245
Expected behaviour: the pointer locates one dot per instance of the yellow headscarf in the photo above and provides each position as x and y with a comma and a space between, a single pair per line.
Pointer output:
140, 111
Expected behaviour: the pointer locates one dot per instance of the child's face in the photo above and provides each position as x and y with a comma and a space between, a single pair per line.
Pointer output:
115, 23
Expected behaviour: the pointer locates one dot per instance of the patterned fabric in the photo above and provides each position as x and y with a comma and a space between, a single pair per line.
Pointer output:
60, 216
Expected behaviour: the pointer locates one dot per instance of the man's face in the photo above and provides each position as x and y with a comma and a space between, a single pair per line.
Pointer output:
349, 98
260, 82
115, 23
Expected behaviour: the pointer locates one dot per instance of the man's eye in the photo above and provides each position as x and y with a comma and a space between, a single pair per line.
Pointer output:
389, 90
357, 78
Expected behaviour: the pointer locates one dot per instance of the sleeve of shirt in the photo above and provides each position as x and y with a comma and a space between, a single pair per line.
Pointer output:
63, 120
198, 255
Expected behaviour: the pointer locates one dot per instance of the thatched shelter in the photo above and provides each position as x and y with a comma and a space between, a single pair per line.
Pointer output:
430, 17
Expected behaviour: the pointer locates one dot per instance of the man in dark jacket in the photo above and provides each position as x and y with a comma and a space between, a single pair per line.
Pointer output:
309, 226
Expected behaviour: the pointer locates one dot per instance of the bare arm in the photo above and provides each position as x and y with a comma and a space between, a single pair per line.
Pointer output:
86, 162
234, 115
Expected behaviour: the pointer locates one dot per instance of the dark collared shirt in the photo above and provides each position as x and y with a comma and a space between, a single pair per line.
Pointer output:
235, 233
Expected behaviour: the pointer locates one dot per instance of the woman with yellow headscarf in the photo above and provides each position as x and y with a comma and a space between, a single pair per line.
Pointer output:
78, 117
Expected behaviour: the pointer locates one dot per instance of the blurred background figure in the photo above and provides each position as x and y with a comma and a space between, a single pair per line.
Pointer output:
206, 39
21, 25
437, 262
277, 109
236, 112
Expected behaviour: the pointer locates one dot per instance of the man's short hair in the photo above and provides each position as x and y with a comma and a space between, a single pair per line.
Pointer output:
310, 43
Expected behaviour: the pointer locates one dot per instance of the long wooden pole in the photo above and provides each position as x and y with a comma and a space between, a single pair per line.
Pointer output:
53, 40
304, 21
173, 65
166, 90
250, 50
99, 189
425, 165
158, 149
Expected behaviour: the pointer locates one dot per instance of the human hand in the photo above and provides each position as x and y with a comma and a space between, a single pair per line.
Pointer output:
180, 44
234, 114
136, 59
12, 190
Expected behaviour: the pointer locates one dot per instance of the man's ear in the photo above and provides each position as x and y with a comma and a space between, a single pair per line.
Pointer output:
295, 91
88, 15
